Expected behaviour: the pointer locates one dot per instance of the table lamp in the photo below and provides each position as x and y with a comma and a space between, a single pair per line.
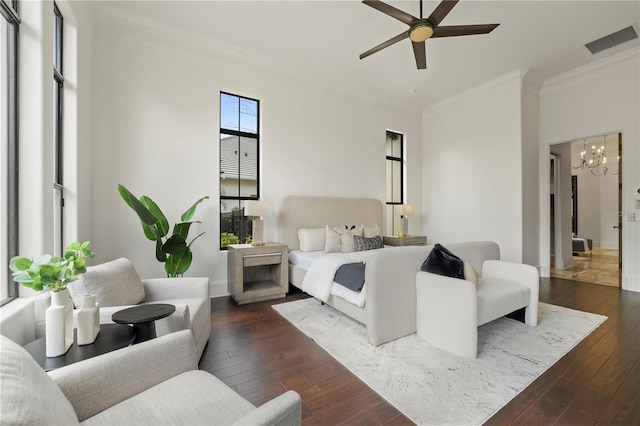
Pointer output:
259, 209
405, 210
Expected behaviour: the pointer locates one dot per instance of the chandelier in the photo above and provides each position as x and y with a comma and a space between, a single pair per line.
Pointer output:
597, 164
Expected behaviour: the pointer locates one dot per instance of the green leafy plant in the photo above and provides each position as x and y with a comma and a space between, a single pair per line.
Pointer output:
52, 272
227, 238
171, 249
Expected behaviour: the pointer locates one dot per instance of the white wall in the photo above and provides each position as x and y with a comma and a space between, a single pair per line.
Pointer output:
597, 99
530, 120
472, 167
156, 130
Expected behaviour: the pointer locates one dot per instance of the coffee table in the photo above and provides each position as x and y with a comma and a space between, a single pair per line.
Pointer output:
142, 319
110, 338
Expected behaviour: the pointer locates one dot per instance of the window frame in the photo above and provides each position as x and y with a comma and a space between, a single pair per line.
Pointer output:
239, 134
391, 205
10, 11
58, 137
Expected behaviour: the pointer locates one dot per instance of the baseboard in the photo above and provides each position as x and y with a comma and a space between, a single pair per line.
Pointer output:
218, 288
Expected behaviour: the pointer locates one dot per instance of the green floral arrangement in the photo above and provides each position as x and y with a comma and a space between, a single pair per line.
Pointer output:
52, 272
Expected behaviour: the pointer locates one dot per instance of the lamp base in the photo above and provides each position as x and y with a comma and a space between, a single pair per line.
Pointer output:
257, 236
404, 225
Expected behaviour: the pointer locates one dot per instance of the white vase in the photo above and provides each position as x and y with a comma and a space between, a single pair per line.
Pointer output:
88, 320
59, 324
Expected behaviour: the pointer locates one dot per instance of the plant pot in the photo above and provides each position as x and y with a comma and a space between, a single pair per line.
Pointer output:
59, 324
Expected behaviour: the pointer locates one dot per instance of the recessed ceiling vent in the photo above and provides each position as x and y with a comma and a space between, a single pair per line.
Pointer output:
614, 39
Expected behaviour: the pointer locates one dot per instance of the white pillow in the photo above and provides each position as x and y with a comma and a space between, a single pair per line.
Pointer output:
347, 239
114, 283
371, 231
311, 239
333, 241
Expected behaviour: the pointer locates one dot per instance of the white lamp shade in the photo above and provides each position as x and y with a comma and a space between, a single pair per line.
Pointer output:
407, 210
258, 208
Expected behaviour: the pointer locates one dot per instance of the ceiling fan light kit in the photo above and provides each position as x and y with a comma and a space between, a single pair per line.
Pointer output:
421, 29
420, 32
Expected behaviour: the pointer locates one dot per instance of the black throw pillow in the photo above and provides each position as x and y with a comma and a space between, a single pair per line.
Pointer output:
442, 262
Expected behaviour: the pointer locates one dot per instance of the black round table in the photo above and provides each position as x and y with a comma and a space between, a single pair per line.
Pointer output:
110, 338
142, 318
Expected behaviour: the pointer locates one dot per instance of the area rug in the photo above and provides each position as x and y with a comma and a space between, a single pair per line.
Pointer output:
433, 387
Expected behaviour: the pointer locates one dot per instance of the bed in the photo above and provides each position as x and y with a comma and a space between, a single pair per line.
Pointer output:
300, 212
390, 273
581, 245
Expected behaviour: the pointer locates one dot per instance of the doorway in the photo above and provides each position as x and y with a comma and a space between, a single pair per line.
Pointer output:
585, 216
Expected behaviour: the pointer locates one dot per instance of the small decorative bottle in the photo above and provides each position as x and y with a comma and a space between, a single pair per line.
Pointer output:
59, 324
88, 320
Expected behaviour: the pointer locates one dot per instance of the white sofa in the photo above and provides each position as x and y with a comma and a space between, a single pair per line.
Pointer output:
152, 383
117, 286
450, 310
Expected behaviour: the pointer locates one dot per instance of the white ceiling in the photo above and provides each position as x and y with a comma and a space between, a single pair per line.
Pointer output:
321, 40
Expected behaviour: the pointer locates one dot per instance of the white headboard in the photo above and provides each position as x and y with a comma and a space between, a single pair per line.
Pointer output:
301, 211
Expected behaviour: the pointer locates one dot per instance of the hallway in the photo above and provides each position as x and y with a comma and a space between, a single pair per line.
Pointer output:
601, 267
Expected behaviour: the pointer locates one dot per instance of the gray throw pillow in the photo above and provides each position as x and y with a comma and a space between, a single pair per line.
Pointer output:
114, 283
364, 243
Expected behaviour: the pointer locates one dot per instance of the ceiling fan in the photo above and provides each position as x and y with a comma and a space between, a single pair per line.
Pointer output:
422, 29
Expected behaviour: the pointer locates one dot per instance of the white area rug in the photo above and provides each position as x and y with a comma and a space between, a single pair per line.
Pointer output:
431, 386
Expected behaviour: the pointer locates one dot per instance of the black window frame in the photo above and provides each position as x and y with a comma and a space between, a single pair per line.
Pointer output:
58, 137
391, 205
10, 11
245, 223
400, 161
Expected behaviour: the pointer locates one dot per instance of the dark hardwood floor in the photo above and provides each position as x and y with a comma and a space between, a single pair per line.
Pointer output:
260, 355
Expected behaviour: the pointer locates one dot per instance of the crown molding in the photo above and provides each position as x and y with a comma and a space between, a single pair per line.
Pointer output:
130, 25
628, 59
477, 93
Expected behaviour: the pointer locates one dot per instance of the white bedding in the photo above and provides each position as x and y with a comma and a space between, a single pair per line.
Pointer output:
321, 268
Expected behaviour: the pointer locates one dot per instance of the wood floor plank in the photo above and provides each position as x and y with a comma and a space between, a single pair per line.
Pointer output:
261, 355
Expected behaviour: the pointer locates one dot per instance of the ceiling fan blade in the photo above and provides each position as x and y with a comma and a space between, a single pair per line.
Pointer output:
441, 11
461, 30
387, 43
420, 52
391, 11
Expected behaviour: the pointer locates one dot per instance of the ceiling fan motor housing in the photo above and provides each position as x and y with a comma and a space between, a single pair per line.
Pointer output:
421, 30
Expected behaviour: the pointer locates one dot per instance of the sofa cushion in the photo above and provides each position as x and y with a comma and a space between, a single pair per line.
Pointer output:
29, 395
498, 297
442, 262
114, 283
172, 402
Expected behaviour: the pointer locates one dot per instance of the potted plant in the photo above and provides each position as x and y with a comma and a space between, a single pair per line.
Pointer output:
171, 249
54, 273
51, 272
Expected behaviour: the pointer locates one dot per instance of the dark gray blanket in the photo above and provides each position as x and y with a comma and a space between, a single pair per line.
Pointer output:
351, 275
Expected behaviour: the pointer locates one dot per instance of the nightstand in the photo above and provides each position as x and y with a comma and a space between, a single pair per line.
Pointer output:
409, 240
256, 273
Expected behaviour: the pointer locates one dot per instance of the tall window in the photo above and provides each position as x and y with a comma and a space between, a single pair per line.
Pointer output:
9, 34
58, 98
239, 165
395, 184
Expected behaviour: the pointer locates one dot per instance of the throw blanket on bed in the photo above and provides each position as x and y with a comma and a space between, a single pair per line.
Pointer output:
318, 281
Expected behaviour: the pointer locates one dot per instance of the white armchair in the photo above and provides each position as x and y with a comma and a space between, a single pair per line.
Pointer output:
117, 286
450, 310
153, 383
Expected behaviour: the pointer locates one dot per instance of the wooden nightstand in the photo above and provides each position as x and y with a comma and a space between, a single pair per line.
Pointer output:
256, 273
409, 240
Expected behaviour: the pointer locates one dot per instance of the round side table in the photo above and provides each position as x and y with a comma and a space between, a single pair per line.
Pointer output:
142, 319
